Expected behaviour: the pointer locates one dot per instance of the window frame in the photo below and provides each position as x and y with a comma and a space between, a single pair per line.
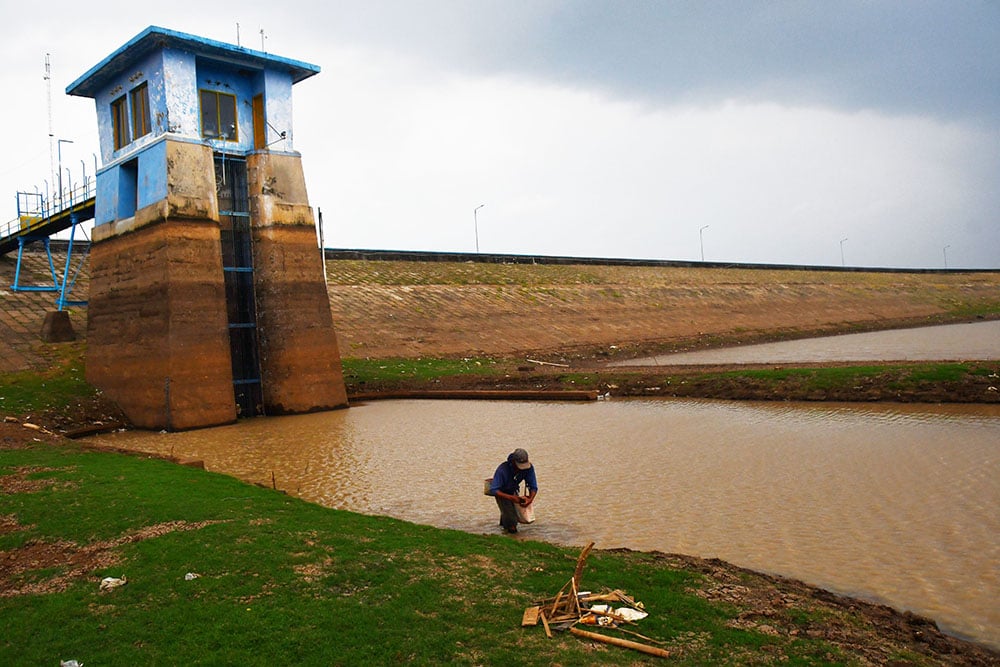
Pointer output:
120, 122
218, 96
139, 108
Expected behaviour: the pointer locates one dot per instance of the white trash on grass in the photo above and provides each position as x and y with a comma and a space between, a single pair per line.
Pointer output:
111, 583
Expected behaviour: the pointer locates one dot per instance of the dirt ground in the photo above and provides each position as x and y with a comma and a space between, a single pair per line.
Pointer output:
411, 309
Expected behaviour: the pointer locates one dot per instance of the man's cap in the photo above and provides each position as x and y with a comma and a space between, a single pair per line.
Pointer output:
520, 459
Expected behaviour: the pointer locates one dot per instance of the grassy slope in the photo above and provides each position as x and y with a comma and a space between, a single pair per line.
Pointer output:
53, 388
411, 309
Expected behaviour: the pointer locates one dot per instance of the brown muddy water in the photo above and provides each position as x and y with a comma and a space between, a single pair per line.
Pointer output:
948, 342
895, 504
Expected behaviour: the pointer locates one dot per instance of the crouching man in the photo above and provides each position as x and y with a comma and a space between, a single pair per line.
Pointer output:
506, 482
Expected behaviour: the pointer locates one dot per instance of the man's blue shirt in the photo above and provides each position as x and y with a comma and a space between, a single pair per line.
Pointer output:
508, 478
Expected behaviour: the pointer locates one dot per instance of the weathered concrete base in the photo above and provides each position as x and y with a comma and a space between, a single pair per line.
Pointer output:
56, 328
300, 359
157, 339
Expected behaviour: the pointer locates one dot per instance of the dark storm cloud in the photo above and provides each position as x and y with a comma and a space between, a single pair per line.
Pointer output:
917, 56
936, 57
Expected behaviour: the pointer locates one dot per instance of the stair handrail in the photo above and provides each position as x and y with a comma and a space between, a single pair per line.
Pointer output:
41, 212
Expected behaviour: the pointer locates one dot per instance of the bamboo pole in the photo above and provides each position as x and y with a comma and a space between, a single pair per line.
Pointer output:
624, 643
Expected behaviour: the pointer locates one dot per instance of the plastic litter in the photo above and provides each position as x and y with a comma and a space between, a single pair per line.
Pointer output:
625, 613
111, 583
190, 576
630, 614
70, 663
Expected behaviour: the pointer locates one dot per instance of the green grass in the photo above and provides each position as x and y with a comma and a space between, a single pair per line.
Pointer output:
358, 371
942, 373
973, 309
930, 380
813, 378
288, 582
58, 386
852, 376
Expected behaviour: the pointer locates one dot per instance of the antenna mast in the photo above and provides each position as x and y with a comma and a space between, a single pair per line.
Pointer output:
48, 93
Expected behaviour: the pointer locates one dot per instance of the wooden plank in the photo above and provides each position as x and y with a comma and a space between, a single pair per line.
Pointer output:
545, 624
530, 617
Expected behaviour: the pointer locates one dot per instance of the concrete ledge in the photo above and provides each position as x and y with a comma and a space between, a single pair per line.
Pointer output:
334, 254
480, 395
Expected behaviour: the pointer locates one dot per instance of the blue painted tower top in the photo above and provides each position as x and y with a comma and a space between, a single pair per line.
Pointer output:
163, 82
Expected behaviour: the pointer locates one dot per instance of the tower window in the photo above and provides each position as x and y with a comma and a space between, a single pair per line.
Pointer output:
218, 115
140, 111
119, 122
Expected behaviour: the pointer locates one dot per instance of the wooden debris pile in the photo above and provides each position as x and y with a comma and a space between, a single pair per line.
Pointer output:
571, 607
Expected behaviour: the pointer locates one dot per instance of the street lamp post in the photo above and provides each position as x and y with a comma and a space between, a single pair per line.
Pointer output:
842, 241
701, 239
475, 219
59, 144
945, 251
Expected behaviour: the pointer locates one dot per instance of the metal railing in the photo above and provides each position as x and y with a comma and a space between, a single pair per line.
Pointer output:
35, 211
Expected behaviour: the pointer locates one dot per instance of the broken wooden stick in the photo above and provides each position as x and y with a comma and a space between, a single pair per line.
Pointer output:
555, 605
624, 643
578, 572
547, 363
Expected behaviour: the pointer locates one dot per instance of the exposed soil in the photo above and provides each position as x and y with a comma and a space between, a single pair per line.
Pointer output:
581, 317
410, 309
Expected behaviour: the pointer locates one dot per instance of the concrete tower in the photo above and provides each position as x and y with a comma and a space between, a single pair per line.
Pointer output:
207, 294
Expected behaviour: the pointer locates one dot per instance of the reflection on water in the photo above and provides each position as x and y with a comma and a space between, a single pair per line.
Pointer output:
955, 342
898, 504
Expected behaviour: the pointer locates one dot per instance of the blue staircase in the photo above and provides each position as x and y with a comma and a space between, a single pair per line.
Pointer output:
37, 220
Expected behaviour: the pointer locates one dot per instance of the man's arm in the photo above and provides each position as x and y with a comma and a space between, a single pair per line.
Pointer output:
532, 485
500, 479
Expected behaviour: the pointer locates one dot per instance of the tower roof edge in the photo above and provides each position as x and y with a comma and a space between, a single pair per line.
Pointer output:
155, 37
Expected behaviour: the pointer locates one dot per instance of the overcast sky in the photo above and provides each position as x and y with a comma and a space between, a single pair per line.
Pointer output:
786, 132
